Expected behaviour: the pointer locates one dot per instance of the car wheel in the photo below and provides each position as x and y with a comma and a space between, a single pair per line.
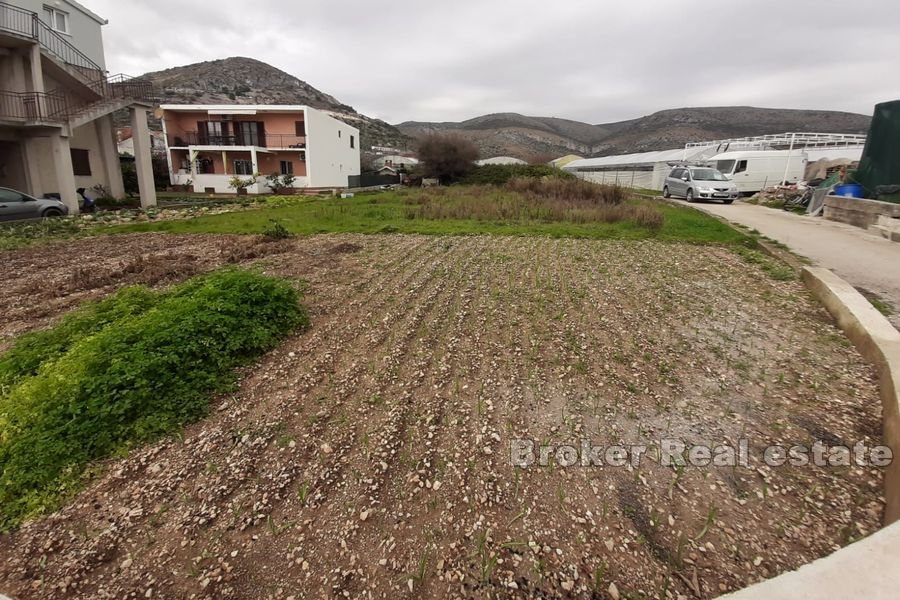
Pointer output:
51, 212
729, 201
666, 193
689, 196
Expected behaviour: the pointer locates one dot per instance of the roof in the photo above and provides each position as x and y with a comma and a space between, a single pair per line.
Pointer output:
88, 12
237, 108
641, 158
501, 160
757, 153
564, 160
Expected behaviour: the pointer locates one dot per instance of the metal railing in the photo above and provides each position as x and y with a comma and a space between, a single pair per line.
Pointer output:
35, 106
263, 140
59, 106
29, 24
124, 86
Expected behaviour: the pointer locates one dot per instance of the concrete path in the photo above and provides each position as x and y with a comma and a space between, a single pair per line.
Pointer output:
865, 260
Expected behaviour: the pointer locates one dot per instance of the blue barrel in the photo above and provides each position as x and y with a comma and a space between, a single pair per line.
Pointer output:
849, 190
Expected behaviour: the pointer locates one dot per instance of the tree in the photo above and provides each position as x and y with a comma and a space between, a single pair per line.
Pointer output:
447, 157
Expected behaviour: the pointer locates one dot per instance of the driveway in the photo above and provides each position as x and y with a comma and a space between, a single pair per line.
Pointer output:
867, 261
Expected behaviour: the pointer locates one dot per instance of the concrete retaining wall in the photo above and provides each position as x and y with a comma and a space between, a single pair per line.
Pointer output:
879, 343
867, 568
858, 212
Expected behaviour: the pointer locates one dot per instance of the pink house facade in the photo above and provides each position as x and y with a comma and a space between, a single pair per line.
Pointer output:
208, 145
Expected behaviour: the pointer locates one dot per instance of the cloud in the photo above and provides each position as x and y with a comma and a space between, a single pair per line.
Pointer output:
578, 59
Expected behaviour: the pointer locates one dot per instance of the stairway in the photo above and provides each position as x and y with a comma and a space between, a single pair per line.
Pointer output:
92, 94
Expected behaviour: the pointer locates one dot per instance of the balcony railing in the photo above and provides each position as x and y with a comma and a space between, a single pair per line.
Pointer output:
33, 106
59, 106
28, 24
124, 86
266, 140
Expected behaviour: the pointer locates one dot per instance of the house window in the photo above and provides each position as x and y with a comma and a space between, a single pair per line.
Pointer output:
251, 133
205, 166
81, 162
353, 141
287, 167
243, 167
339, 133
300, 128
56, 19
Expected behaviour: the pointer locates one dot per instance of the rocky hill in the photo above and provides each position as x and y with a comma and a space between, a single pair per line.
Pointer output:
526, 137
241, 80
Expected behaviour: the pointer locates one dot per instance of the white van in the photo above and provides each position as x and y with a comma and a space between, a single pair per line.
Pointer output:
755, 170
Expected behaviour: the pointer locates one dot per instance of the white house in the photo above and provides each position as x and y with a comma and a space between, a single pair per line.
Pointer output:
56, 114
208, 145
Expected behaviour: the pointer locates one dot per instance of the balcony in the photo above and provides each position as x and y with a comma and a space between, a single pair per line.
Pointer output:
261, 140
33, 107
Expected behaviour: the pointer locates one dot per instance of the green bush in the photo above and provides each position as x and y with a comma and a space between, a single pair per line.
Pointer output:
501, 174
124, 371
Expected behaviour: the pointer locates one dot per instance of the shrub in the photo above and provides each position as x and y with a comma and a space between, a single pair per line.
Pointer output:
447, 158
534, 200
276, 231
124, 371
571, 190
501, 174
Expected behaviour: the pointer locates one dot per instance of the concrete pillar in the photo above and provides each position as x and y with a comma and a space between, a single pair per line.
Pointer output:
109, 151
254, 160
143, 160
37, 70
17, 67
31, 160
65, 174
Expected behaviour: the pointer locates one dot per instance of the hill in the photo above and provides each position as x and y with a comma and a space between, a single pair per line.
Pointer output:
526, 137
239, 80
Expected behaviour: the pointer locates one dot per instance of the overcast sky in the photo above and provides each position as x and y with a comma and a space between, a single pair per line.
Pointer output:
590, 60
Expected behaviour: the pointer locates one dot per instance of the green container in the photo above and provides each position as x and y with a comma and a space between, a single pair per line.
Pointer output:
880, 164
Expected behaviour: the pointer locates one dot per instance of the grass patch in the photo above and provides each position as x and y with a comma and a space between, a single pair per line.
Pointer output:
502, 174
402, 212
774, 269
126, 370
26, 233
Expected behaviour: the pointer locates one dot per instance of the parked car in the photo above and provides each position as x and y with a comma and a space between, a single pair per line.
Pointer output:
692, 183
16, 205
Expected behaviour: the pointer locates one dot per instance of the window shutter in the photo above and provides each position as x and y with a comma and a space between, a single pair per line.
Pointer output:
202, 133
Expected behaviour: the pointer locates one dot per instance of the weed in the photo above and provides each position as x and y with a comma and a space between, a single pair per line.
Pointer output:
276, 231
127, 370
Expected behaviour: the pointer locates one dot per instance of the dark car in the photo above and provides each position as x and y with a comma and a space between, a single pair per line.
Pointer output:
16, 205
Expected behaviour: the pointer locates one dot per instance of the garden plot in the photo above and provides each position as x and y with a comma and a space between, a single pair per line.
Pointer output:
370, 456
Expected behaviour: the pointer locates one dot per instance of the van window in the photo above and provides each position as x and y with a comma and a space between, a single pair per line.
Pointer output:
676, 173
741, 166
725, 166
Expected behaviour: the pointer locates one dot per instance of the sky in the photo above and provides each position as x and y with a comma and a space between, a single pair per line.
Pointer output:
596, 61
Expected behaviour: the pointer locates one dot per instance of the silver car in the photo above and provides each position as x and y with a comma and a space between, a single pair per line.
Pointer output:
693, 183
16, 205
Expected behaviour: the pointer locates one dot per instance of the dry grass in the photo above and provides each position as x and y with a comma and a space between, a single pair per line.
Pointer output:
535, 200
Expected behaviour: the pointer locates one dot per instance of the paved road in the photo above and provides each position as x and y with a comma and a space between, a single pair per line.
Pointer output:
865, 260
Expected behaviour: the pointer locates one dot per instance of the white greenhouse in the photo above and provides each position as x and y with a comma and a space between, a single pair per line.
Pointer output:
648, 170
644, 170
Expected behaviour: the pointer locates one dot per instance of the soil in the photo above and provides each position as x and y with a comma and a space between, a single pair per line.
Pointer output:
370, 456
